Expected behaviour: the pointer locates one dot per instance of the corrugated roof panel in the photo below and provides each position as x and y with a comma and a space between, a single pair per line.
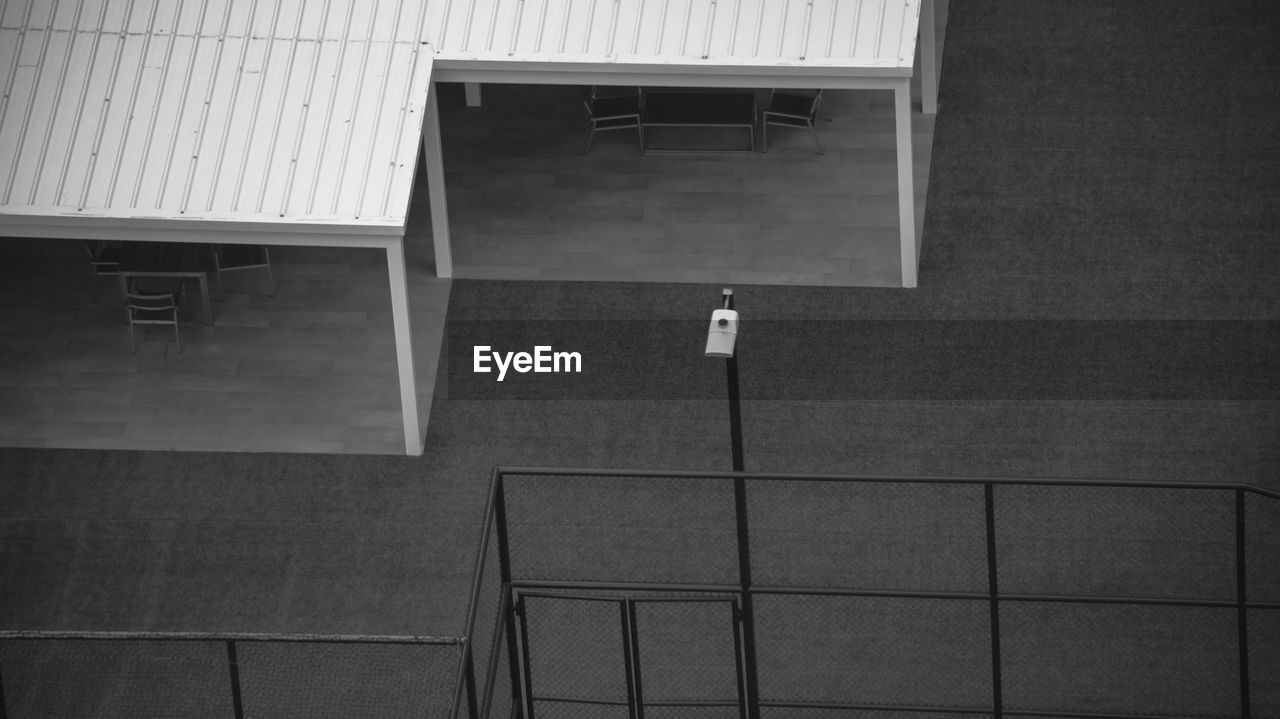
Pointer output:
856, 34
237, 110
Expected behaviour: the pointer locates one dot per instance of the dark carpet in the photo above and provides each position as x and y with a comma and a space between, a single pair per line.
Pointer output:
1104, 160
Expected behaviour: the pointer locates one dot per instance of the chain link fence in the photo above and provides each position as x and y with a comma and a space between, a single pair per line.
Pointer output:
889, 597
108, 675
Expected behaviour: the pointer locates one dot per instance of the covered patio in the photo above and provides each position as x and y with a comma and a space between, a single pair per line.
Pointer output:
522, 204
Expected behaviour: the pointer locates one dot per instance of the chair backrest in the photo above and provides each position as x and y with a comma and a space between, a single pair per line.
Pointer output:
241, 257
138, 301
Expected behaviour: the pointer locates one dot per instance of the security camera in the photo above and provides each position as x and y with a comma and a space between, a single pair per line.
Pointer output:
722, 333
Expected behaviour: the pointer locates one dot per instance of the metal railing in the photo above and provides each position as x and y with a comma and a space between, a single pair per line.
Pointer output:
213, 674
558, 529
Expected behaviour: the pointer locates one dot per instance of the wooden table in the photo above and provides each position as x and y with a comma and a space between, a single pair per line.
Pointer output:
169, 259
700, 109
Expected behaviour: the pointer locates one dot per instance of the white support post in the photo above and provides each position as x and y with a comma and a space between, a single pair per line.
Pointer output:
434, 152
472, 90
404, 347
906, 189
928, 59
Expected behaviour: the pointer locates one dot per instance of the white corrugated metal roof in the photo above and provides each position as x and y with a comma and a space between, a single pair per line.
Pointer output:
784, 36
306, 113
253, 111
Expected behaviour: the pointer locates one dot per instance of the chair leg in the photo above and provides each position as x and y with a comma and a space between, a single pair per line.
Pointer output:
764, 137
270, 277
176, 339
814, 131
590, 136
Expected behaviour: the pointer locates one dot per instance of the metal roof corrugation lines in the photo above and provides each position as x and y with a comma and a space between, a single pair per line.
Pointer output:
860, 34
237, 110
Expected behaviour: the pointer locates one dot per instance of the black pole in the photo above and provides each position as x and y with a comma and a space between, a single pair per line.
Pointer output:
504, 574
993, 591
1242, 609
237, 702
4, 713
744, 539
631, 658
526, 674
470, 679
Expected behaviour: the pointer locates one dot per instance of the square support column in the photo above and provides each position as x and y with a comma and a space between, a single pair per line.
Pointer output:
909, 250
433, 152
404, 347
928, 59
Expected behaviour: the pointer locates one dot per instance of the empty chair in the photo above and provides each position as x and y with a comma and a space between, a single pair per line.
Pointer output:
104, 259
152, 308
230, 258
792, 108
609, 110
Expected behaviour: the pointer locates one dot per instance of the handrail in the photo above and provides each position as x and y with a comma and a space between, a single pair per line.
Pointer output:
231, 636
230, 639
1241, 602
871, 478
466, 663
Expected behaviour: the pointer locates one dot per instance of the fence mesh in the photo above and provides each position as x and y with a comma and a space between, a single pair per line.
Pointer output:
641, 529
873, 650
575, 649
1124, 659
1262, 548
1116, 541
687, 652
127, 678
319, 680
108, 679
1264, 662
868, 535
822, 553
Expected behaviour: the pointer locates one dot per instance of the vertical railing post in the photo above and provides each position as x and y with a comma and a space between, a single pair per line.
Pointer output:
1242, 606
4, 712
631, 658
744, 538
473, 710
993, 592
524, 675
504, 575
233, 665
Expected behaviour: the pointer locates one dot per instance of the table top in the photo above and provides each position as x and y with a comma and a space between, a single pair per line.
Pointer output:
166, 257
700, 108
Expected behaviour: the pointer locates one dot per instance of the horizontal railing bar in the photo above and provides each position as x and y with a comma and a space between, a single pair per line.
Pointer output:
530, 588
782, 704
234, 636
574, 700
1086, 715
691, 703
903, 479
956, 710
582, 597
525, 584
1161, 601
840, 592
684, 600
